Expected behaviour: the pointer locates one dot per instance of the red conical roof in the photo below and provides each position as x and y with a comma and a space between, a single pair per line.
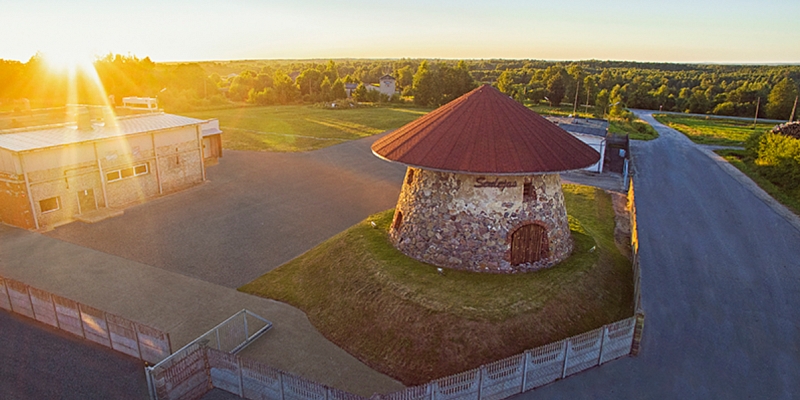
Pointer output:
485, 132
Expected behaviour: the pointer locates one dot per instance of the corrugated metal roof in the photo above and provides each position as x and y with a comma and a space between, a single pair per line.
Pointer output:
32, 139
485, 132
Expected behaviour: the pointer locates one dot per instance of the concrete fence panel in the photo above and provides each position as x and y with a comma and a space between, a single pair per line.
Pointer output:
42, 303
502, 378
463, 386
154, 345
617, 340
5, 301
186, 377
423, 392
225, 372
544, 364
95, 327
20, 299
583, 352
260, 382
336, 394
297, 388
123, 335
68, 315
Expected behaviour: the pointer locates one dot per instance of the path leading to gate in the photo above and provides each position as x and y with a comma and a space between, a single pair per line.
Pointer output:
720, 287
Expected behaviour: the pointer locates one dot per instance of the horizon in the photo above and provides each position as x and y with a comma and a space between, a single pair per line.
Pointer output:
183, 31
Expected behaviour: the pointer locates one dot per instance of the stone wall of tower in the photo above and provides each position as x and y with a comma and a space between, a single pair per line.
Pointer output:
465, 221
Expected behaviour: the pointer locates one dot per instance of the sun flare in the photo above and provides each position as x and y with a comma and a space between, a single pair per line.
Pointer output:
66, 59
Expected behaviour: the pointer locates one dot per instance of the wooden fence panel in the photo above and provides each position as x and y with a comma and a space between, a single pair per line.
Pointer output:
545, 364
583, 351
260, 382
94, 325
69, 318
462, 386
618, 339
20, 299
42, 304
184, 378
154, 345
297, 388
224, 371
5, 302
123, 335
502, 378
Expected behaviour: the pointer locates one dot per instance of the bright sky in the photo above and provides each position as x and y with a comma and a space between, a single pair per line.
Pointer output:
718, 31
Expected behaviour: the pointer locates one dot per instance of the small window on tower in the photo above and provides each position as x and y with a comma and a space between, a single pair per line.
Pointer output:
410, 177
398, 221
528, 192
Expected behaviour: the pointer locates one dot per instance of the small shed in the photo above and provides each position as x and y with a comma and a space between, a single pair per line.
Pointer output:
482, 190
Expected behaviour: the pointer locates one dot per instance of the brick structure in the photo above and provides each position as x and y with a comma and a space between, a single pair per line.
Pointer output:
54, 174
482, 191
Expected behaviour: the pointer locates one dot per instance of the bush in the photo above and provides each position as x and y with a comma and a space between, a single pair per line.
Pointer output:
779, 159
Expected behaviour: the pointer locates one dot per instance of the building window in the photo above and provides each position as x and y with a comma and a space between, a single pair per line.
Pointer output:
398, 221
528, 192
123, 173
410, 177
49, 205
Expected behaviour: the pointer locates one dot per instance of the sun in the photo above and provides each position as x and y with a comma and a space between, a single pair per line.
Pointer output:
68, 59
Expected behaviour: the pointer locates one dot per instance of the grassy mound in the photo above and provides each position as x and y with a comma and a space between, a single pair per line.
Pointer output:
403, 318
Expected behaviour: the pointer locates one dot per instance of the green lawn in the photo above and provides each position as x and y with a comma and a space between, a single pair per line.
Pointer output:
710, 130
302, 128
739, 159
402, 318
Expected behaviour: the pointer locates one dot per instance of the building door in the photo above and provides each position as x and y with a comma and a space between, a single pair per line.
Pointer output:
528, 244
86, 201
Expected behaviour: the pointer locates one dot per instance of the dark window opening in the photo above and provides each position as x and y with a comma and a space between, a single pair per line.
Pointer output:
140, 169
528, 192
410, 177
398, 221
51, 204
127, 172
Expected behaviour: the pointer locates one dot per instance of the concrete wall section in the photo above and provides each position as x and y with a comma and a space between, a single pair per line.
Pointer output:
466, 221
15, 207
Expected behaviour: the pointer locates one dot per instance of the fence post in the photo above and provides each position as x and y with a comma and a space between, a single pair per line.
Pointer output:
8, 296
151, 386
30, 301
602, 344
481, 371
241, 379
280, 379
55, 313
527, 361
429, 391
216, 332
567, 349
637, 333
108, 330
246, 331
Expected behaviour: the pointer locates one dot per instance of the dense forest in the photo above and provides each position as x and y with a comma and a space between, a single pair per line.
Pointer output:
737, 90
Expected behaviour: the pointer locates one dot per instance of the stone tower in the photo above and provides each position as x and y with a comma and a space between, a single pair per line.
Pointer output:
482, 190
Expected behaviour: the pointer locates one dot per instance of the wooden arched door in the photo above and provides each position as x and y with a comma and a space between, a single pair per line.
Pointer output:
528, 244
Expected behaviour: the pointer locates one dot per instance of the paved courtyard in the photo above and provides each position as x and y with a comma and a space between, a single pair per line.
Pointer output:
257, 211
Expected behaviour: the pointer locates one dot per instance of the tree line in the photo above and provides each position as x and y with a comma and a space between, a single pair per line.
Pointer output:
607, 86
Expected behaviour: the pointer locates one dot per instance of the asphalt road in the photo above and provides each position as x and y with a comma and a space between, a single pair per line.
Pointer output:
720, 288
38, 362
248, 218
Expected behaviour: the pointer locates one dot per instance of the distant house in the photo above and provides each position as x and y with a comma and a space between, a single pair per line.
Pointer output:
386, 85
54, 174
590, 131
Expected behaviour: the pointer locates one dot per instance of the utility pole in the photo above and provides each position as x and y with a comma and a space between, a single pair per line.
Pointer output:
575, 105
758, 102
794, 107
586, 107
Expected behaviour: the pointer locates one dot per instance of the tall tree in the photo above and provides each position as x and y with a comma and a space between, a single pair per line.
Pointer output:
427, 86
556, 89
781, 99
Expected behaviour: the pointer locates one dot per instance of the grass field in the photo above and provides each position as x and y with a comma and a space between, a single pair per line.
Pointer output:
739, 159
710, 130
302, 128
402, 318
